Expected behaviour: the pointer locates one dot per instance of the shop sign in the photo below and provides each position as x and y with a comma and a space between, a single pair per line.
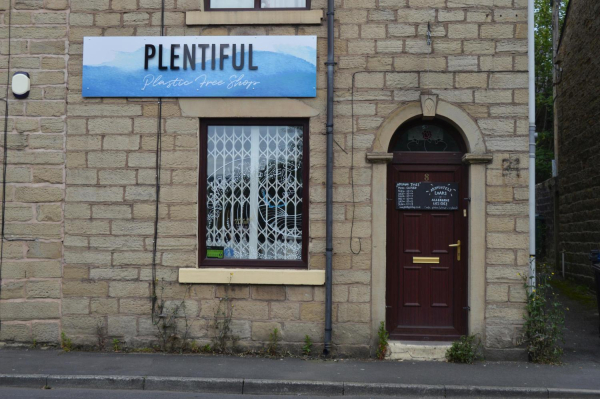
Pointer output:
427, 196
200, 66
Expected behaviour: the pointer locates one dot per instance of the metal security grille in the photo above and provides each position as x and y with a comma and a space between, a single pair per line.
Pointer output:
254, 191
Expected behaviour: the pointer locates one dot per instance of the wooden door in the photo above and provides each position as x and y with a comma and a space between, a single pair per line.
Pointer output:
427, 301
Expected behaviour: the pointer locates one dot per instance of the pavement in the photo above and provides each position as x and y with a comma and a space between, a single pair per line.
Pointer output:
23, 372
582, 336
267, 376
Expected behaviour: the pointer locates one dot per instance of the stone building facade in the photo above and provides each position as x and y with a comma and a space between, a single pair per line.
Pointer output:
80, 186
578, 110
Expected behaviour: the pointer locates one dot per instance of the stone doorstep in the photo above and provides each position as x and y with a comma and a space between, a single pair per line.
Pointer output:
418, 350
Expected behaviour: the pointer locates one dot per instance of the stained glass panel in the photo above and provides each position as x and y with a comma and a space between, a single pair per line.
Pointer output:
254, 191
427, 136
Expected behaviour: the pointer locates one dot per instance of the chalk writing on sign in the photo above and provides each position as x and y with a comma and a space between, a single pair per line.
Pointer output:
427, 196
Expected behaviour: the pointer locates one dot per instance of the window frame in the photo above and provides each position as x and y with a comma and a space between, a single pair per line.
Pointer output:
205, 262
256, 7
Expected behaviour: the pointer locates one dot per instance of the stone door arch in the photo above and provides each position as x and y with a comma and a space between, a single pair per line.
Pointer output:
477, 157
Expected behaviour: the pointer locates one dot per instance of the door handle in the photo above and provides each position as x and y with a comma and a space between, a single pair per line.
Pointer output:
457, 246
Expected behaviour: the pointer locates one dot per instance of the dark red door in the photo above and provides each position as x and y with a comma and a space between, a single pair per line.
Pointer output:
426, 276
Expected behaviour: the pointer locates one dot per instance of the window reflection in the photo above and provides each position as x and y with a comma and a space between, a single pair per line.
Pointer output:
231, 3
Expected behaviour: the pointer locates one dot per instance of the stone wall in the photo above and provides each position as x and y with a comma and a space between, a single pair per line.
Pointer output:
545, 230
578, 107
477, 61
31, 267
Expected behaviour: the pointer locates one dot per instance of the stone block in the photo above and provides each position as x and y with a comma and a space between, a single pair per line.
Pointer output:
401, 80
38, 194
496, 224
49, 213
134, 306
462, 63
123, 289
299, 293
507, 240
114, 177
359, 293
437, 80
415, 15
87, 227
90, 5
505, 313
351, 333
123, 326
15, 332
94, 194
31, 269
114, 273
463, 31
261, 331
472, 80
505, 273
75, 306
354, 312
297, 331
48, 175
502, 80
251, 310
312, 311
517, 293
500, 337
84, 288
81, 324
13, 290
29, 310
500, 257
43, 289
267, 292
285, 311
111, 212
497, 31
46, 332
497, 293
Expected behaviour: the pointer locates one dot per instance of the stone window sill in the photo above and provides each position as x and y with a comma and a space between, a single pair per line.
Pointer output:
296, 17
251, 276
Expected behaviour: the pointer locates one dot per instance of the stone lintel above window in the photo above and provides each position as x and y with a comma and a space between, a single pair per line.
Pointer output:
275, 17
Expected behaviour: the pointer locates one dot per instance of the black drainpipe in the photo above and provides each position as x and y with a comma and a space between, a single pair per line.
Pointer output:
329, 181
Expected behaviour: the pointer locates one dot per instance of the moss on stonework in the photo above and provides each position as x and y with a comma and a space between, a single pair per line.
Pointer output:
578, 293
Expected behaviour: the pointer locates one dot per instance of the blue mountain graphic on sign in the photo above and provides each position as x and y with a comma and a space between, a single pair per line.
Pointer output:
278, 75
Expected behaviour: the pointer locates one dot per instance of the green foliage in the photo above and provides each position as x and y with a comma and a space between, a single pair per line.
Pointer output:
171, 322
544, 97
466, 350
34, 344
223, 325
116, 344
274, 338
206, 348
382, 346
101, 334
576, 292
544, 322
544, 154
65, 342
307, 348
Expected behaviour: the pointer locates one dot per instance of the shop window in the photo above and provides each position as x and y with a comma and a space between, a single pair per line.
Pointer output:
253, 193
212, 5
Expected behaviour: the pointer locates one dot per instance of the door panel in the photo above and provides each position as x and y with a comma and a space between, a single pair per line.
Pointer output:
426, 284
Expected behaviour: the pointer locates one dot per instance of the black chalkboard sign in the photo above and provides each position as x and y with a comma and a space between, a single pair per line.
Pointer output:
427, 196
